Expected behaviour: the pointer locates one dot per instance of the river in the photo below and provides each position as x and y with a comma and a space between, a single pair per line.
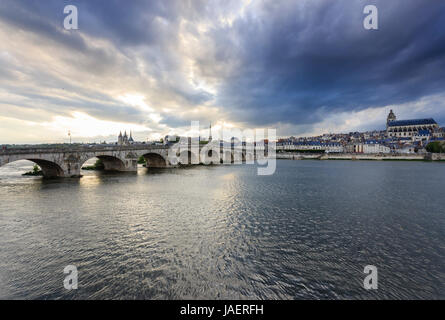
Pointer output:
223, 232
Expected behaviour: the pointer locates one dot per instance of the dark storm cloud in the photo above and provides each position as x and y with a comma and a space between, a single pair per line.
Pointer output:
299, 61
280, 61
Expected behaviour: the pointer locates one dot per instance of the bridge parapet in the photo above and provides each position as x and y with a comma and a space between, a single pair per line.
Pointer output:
100, 148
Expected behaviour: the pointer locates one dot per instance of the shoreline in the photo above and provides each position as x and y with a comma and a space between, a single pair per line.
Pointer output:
436, 157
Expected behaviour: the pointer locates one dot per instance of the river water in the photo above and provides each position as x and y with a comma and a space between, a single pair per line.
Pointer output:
223, 232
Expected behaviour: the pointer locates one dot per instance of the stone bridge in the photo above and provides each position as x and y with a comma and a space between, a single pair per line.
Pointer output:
68, 161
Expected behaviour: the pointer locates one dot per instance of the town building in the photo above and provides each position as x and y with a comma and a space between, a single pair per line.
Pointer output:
375, 147
328, 147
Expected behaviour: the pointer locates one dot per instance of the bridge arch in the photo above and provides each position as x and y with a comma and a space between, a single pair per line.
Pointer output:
111, 163
50, 169
210, 154
188, 158
228, 157
155, 160
248, 156
238, 156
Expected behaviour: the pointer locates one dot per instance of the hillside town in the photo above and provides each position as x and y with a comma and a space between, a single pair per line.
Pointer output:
400, 137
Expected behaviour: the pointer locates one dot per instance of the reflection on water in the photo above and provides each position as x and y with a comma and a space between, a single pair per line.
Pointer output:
224, 232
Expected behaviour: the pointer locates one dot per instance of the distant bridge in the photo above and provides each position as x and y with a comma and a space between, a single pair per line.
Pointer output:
68, 161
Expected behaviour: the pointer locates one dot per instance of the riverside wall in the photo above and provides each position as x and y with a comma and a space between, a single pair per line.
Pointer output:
358, 156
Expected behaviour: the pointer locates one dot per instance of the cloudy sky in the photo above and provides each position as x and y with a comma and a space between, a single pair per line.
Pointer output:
302, 66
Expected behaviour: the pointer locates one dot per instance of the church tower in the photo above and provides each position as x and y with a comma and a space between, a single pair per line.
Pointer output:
391, 117
119, 139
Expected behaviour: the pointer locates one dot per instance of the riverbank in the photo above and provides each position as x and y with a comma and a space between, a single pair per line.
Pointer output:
33, 174
352, 156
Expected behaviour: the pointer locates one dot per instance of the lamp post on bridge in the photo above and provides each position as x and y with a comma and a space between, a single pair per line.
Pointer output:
69, 134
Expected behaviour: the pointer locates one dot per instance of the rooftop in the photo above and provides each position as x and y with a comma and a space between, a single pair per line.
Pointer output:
414, 122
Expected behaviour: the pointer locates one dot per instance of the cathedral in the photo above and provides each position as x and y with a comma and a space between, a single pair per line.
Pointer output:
124, 140
408, 128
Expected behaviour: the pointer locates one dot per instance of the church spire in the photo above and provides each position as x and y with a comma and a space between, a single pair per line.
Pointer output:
131, 137
210, 132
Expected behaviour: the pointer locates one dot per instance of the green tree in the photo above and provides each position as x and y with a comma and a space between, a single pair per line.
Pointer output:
99, 165
36, 169
435, 147
142, 160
